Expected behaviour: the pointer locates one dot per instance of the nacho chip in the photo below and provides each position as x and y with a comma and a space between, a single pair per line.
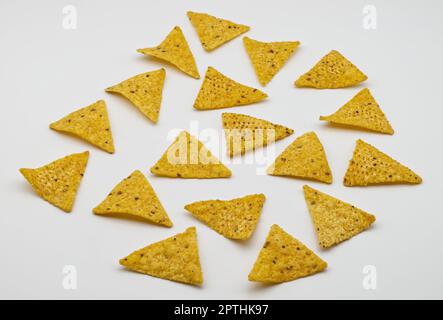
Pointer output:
284, 258
175, 258
370, 166
268, 57
335, 220
144, 91
58, 181
233, 219
218, 91
134, 196
187, 157
175, 50
362, 111
304, 158
212, 31
90, 123
244, 133
331, 72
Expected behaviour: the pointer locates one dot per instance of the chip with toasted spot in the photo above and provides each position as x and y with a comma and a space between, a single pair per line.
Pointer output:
304, 158
218, 91
370, 166
335, 220
331, 72
175, 258
233, 219
58, 181
284, 258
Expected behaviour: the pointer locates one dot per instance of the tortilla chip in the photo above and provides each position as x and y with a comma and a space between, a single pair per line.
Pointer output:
362, 111
233, 219
335, 220
187, 157
218, 91
370, 166
175, 50
134, 196
284, 258
58, 181
212, 31
268, 57
175, 258
90, 123
144, 91
331, 72
304, 158
244, 133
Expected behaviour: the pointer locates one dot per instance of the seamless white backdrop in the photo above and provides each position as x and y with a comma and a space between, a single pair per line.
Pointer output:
47, 72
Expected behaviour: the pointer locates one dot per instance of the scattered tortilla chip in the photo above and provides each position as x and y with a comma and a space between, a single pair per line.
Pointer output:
362, 111
175, 258
304, 158
370, 166
175, 50
284, 258
90, 123
244, 133
144, 91
268, 57
233, 219
218, 91
58, 181
187, 157
134, 196
213, 31
335, 220
331, 72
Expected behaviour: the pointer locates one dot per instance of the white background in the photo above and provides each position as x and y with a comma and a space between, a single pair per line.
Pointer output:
47, 72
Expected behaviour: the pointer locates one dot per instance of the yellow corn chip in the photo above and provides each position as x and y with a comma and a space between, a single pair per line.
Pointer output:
331, 72
90, 123
213, 31
234, 219
362, 111
244, 133
370, 166
187, 157
134, 196
284, 258
175, 258
144, 91
175, 50
58, 181
268, 57
335, 220
304, 158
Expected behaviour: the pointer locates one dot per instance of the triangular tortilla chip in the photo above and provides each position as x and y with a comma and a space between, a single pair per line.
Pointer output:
218, 91
144, 91
134, 196
244, 133
58, 181
175, 258
370, 166
331, 72
362, 111
175, 50
213, 31
187, 157
304, 158
233, 219
268, 57
284, 258
90, 123
335, 220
